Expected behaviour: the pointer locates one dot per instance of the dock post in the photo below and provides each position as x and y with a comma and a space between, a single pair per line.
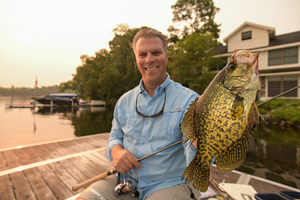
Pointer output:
51, 108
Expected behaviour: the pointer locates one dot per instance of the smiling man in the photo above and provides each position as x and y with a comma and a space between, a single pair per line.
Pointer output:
147, 119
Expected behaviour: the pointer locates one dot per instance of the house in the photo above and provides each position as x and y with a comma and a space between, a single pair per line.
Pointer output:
279, 63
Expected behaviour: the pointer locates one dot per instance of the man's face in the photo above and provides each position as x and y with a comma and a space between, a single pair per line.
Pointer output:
151, 60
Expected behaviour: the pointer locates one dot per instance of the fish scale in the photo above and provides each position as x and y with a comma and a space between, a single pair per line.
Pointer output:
219, 119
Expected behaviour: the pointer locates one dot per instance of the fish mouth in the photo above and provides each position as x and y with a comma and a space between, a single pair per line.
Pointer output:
254, 63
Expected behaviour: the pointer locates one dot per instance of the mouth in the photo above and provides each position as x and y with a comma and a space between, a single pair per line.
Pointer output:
151, 68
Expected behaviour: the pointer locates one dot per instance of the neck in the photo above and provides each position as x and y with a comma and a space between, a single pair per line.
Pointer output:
150, 90
151, 87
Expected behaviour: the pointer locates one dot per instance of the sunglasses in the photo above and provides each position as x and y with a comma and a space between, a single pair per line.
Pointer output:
154, 115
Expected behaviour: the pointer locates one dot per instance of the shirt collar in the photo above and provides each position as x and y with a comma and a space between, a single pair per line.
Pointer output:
160, 88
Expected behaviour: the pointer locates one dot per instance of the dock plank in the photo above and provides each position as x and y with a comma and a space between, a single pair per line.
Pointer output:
21, 187
63, 175
11, 160
38, 184
74, 171
6, 191
84, 166
31, 155
58, 188
2, 162
42, 152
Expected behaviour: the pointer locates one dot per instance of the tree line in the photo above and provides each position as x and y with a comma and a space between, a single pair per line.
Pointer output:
24, 91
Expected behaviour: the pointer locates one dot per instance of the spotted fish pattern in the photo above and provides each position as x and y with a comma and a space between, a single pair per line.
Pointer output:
218, 120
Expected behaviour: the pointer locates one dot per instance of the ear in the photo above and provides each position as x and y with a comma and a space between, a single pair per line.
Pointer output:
167, 58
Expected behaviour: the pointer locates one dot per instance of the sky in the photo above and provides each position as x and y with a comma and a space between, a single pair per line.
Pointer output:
44, 39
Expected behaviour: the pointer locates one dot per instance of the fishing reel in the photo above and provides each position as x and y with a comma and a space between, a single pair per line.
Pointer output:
124, 188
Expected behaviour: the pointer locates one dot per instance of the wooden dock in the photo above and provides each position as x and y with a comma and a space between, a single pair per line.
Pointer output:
49, 170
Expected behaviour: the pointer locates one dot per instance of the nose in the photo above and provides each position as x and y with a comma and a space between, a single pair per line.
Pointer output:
149, 58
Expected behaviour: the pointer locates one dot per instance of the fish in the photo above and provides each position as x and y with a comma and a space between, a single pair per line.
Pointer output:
221, 120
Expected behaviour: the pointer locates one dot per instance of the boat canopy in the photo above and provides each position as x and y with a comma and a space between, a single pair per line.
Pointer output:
64, 95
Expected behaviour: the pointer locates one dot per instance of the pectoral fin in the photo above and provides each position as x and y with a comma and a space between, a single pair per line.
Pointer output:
254, 114
237, 108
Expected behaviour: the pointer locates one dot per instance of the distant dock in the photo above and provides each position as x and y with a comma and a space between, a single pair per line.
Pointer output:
92, 103
19, 105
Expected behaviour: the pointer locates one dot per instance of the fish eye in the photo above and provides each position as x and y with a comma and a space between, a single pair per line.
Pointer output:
231, 66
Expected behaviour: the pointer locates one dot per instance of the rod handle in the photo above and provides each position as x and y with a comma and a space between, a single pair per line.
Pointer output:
94, 179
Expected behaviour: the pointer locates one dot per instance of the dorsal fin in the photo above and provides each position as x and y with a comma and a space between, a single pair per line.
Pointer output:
187, 128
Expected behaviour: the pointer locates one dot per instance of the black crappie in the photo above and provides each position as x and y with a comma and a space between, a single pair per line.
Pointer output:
219, 119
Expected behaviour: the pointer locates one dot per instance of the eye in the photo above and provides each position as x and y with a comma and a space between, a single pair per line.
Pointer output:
231, 66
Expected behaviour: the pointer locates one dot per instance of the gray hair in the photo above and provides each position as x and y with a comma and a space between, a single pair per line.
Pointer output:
150, 33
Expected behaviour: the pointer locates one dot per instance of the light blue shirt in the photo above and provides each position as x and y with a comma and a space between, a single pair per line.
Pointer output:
145, 135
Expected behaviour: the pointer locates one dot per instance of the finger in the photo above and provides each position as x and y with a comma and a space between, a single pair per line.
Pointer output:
137, 164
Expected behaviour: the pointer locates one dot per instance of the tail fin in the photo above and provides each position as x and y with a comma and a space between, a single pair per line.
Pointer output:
199, 174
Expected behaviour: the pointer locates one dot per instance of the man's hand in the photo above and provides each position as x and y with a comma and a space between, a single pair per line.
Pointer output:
123, 160
195, 144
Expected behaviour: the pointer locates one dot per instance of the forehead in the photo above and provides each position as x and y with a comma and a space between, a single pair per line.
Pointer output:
152, 43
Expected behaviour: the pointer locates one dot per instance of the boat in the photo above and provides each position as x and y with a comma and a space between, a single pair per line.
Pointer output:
61, 99
64, 95
235, 185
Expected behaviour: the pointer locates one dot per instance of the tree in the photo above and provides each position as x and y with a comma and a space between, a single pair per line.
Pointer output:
191, 59
110, 73
195, 16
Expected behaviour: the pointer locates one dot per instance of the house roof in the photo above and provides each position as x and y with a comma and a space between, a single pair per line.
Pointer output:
271, 30
285, 39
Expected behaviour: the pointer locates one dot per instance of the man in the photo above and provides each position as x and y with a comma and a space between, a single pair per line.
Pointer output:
147, 119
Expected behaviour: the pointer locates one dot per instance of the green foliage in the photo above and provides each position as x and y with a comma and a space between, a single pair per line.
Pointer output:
190, 61
197, 15
291, 114
282, 109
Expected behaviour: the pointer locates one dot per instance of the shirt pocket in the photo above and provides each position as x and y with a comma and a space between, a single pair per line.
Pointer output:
128, 120
169, 127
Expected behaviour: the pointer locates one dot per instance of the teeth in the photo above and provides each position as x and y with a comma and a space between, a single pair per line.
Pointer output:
151, 69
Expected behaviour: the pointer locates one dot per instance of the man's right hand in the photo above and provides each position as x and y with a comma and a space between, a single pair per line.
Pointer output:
123, 160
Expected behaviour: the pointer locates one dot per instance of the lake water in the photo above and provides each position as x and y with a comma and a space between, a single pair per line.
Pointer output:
274, 154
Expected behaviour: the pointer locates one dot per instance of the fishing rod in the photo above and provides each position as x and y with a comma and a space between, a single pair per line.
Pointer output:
279, 95
113, 171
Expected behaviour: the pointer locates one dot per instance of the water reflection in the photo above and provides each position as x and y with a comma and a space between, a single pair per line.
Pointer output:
85, 120
274, 155
92, 120
48, 110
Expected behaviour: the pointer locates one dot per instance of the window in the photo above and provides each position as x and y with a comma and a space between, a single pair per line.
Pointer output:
278, 85
247, 35
283, 56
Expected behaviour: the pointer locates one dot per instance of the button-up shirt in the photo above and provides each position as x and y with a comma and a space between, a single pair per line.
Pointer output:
145, 135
